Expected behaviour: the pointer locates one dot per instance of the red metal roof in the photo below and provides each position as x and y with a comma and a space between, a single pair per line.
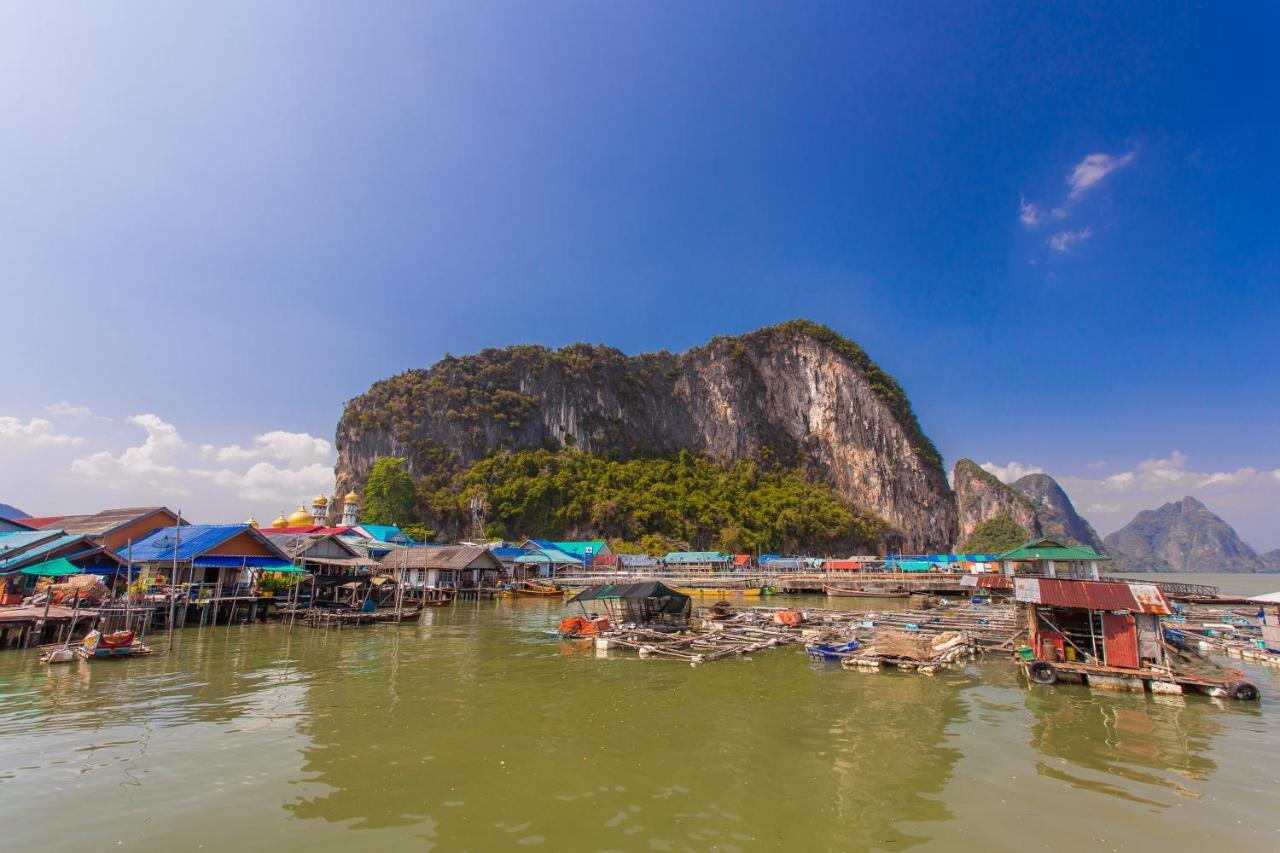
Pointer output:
40, 522
993, 581
1092, 595
741, 559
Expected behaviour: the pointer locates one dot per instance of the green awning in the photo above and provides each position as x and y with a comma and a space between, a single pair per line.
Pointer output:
283, 569
53, 569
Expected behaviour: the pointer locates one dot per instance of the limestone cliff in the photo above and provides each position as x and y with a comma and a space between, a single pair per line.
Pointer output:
1036, 502
1055, 512
1182, 536
795, 395
981, 496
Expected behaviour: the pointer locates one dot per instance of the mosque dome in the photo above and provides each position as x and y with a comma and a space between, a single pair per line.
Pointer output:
301, 518
352, 497
321, 499
252, 522
281, 521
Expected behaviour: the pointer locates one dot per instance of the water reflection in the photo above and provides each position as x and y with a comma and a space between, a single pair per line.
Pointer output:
1130, 746
479, 730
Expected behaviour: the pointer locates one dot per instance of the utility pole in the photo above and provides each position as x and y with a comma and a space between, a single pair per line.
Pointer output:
173, 576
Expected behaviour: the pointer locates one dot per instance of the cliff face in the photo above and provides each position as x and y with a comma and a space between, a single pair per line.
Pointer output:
1182, 536
1036, 502
981, 496
1055, 512
795, 394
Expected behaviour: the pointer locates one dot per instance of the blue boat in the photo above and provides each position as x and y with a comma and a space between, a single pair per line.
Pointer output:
827, 651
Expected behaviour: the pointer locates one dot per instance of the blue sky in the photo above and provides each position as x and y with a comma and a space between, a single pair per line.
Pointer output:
1056, 225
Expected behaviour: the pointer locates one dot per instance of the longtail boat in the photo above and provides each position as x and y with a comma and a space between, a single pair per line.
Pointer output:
842, 592
720, 592
535, 589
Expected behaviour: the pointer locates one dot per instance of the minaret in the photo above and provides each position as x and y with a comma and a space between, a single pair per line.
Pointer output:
350, 506
320, 509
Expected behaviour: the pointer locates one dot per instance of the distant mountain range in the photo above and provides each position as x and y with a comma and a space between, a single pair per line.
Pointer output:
1036, 502
1184, 536
7, 511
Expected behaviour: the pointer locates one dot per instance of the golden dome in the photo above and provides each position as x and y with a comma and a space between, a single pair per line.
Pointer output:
281, 521
252, 522
352, 497
301, 518
320, 499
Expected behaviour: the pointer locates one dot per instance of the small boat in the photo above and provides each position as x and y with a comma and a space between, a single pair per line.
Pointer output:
842, 592
116, 644
831, 651
65, 654
530, 588
720, 592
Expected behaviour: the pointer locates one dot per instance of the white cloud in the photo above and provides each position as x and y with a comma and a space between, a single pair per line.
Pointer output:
297, 448
1012, 471
1063, 241
288, 468
1246, 497
1029, 213
1092, 169
36, 431
65, 409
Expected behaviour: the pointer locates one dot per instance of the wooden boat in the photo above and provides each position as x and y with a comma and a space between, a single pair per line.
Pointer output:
842, 592
529, 588
63, 654
720, 592
117, 644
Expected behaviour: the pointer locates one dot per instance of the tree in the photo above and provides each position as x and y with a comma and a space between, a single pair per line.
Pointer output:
388, 495
995, 536
418, 532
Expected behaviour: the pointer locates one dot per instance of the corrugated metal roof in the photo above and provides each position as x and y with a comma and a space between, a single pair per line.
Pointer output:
1050, 549
193, 541
549, 555
107, 520
447, 557
1092, 595
41, 522
697, 557
36, 553
12, 542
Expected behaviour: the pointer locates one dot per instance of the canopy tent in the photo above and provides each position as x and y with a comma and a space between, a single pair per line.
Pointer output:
642, 603
60, 567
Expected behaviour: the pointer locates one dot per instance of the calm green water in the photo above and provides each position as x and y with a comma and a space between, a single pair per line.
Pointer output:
475, 731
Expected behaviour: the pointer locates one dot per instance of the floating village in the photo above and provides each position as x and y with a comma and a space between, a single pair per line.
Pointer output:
124, 582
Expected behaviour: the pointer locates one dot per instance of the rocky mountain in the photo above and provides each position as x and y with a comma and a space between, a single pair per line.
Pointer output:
981, 496
1035, 502
796, 396
1272, 559
1055, 512
1181, 536
8, 511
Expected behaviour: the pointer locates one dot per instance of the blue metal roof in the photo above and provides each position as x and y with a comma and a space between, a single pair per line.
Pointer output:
508, 552
233, 562
386, 533
28, 555
549, 555
13, 540
193, 540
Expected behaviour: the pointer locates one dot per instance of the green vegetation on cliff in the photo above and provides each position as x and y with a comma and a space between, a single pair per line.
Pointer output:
995, 536
685, 500
389, 493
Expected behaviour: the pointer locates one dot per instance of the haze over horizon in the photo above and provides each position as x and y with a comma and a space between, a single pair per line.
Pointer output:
1056, 227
